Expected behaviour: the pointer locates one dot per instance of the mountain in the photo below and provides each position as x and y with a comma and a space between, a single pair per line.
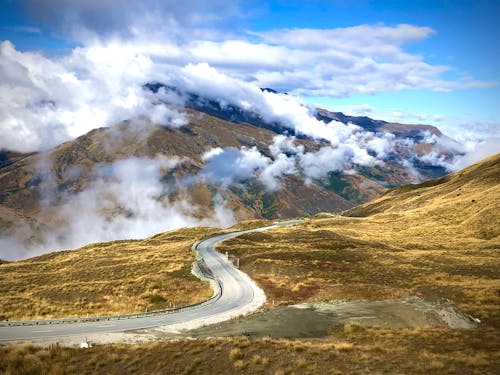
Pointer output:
37, 190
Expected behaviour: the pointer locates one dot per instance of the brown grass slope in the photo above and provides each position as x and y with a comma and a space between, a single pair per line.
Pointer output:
438, 240
104, 278
385, 255
468, 199
107, 278
371, 351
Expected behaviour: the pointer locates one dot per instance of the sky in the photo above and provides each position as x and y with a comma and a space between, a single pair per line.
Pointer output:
432, 62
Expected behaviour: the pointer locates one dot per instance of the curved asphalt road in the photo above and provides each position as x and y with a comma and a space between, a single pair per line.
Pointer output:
237, 292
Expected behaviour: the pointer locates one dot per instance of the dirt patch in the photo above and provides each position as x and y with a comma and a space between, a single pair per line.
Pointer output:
320, 319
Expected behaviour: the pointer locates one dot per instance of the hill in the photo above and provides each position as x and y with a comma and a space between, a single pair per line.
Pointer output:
438, 239
377, 251
106, 278
133, 179
467, 201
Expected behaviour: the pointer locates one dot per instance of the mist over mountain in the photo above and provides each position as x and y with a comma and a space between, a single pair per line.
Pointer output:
203, 157
132, 133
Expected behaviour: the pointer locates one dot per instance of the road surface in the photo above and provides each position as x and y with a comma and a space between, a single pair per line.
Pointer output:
238, 296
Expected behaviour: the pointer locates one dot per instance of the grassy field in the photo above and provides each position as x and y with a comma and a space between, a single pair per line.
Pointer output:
354, 350
434, 240
104, 278
439, 240
107, 278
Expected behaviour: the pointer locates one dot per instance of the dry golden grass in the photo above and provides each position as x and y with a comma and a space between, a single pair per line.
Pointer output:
409, 351
428, 240
104, 278
440, 246
107, 278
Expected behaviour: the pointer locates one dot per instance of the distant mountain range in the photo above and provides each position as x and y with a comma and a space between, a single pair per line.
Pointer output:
35, 188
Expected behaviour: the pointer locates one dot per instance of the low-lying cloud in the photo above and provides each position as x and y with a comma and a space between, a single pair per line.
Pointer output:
126, 200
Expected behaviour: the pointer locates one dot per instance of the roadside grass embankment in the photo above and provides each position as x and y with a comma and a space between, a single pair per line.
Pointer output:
104, 279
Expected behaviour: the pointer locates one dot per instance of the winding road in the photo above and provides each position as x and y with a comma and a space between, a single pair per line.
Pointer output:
239, 295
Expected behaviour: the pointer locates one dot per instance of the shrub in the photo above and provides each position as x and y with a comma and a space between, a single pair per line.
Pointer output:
155, 299
240, 365
235, 354
301, 363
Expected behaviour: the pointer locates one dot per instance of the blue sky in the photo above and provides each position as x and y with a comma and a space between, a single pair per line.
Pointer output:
465, 39
461, 36
465, 30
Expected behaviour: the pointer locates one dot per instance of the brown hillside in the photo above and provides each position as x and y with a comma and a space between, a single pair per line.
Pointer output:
34, 188
104, 278
469, 199
439, 240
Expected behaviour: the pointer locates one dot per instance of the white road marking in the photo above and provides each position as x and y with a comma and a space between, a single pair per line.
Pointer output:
42, 330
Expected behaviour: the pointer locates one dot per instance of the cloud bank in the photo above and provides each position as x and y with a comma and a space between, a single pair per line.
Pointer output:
125, 200
45, 99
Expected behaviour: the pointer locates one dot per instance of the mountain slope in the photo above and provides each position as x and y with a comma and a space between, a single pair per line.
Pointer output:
41, 192
438, 240
469, 199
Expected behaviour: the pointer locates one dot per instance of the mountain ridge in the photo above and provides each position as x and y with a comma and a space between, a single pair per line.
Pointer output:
37, 189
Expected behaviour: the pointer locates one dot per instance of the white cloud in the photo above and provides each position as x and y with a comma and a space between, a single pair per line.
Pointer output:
366, 37
49, 100
127, 200
45, 101
382, 145
455, 155
223, 166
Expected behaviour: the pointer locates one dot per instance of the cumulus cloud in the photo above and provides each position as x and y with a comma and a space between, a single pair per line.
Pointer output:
45, 101
123, 45
315, 62
223, 166
455, 155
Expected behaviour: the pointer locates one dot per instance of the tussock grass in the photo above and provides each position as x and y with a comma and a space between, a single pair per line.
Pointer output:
439, 244
105, 278
409, 351
439, 240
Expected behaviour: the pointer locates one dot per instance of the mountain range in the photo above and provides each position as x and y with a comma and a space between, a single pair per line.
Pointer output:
38, 190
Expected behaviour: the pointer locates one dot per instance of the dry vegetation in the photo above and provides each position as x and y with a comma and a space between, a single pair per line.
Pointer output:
105, 278
439, 240
362, 351
436, 240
